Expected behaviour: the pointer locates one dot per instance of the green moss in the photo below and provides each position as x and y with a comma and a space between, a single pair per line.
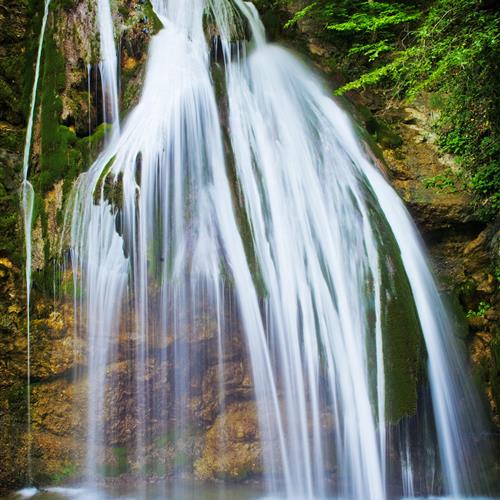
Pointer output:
165, 440
11, 139
402, 337
66, 4
120, 463
154, 468
182, 461
386, 136
57, 141
379, 130
131, 90
156, 24
113, 191
68, 470
242, 219
244, 224
102, 178
16, 78
63, 153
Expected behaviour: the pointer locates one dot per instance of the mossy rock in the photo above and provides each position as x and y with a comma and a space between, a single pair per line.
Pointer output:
403, 349
232, 448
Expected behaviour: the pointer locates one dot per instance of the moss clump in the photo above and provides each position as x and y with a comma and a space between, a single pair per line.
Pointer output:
239, 203
402, 336
103, 184
155, 23
57, 141
63, 153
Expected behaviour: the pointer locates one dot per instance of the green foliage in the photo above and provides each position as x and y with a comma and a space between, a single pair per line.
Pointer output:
376, 17
301, 14
481, 310
450, 48
372, 50
374, 27
442, 182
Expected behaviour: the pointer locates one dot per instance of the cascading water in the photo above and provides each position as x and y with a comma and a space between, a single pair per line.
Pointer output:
28, 199
236, 201
108, 66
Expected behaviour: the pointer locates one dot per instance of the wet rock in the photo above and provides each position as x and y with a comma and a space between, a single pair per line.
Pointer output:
219, 385
12, 339
55, 351
232, 449
139, 23
57, 408
120, 404
56, 459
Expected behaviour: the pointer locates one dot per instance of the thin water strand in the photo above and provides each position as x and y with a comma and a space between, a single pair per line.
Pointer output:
28, 198
108, 66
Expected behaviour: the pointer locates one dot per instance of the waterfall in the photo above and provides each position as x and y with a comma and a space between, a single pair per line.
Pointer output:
237, 202
108, 66
28, 199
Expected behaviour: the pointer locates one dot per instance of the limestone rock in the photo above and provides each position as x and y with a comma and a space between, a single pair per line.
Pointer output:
232, 449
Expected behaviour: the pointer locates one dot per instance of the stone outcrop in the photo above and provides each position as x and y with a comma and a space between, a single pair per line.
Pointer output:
232, 449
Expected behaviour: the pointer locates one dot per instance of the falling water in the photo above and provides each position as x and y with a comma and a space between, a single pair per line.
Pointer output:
108, 65
237, 200
28, 198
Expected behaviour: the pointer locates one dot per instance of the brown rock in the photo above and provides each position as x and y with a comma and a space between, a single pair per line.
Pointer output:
232, 449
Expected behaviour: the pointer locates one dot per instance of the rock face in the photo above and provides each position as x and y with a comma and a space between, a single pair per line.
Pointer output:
232, 449
68, 134
464, 250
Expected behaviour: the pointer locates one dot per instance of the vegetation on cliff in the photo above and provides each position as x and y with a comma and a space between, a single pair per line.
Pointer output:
450, 48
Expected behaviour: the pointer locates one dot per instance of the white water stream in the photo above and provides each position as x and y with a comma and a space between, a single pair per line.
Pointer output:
108, 66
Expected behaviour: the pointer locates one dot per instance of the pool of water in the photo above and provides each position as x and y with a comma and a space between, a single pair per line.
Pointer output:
185, 491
